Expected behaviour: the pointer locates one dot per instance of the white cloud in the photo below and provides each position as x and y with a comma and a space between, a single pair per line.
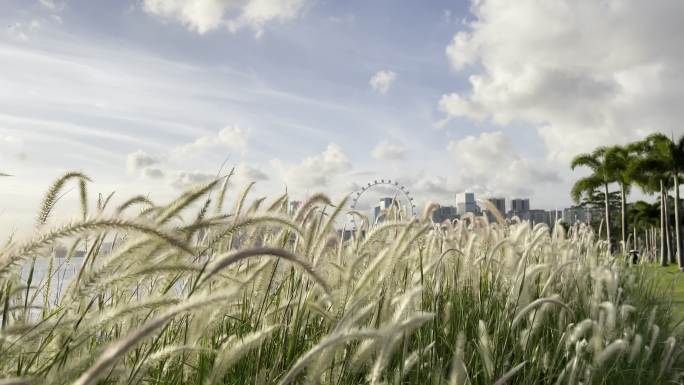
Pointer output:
206, 15
489, 164
434, 187
314, 172
140, 160
389, 151
583, 72
248, 173
153, 173
186, 179
382, 81
231, 137
455, 105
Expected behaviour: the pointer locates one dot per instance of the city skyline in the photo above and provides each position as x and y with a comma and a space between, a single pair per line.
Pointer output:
519, 207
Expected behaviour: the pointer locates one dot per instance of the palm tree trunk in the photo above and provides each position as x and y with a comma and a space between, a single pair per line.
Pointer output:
636, 240
668, 229
623, 224
664, 260
677, 227
654, 242
650, 245
607, 214
650, 242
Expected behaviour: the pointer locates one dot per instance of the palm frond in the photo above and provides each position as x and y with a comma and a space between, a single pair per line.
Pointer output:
584, 186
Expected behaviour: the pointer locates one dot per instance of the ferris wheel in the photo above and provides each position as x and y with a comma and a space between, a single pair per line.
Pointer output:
397, 191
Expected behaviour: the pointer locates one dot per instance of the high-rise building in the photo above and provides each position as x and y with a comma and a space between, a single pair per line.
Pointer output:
555, 216
520, 205
384, 204
444, 213
500, 204
582, 214
539, 216
293, 207
469, 205
575, 214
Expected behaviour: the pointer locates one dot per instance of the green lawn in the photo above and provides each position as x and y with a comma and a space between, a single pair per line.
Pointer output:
672, 279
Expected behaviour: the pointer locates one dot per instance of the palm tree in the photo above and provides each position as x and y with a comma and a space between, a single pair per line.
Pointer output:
600, 177
619, 159
651, 172
677, 163
670, 155
645, 216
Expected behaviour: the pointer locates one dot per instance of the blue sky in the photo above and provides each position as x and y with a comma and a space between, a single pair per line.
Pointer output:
149, 96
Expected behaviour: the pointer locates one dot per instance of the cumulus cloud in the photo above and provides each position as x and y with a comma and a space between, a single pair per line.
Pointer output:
203, 16
389, 151
140, 160
382, 81
153, 173
231, 137
314, 172
434, 186
489, 164
583, 72
186, 179
248, 173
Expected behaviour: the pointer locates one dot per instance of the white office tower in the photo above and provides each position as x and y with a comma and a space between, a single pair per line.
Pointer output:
468, 205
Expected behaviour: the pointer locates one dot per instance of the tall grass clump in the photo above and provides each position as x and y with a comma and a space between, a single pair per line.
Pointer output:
202, 291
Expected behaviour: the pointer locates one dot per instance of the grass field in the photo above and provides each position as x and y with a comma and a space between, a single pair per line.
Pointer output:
204, 291
672, 282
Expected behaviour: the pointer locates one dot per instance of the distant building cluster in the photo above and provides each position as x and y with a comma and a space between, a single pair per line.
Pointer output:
444, 213
467, 203
582, 214
517, 207
60, 251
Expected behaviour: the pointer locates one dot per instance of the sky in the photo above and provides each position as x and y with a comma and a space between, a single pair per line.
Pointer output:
490, 96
